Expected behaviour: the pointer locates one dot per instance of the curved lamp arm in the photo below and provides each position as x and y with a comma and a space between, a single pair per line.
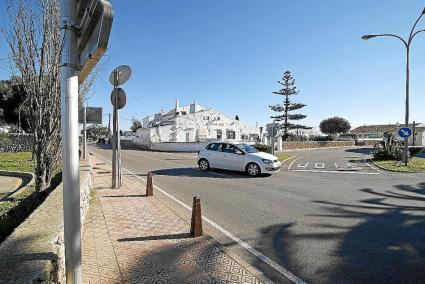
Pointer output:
366, 37
416, 34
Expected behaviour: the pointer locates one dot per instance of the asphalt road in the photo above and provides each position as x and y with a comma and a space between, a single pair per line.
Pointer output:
327, 217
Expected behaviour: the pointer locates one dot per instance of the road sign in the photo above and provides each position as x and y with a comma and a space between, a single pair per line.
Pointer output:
121, 97
123, 72
405, 132
94, 24
93, 115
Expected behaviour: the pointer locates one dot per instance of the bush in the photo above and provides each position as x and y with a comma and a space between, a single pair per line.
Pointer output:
263, 148
390, 149
321, 138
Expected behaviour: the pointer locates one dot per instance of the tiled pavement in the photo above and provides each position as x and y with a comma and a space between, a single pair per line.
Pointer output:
130, 238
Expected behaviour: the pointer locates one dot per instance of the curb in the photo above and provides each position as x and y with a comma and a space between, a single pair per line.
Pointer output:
394, 171
23, 175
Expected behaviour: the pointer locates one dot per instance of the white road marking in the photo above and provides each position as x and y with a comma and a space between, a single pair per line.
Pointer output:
290, 165
373, 167
337, 172
243, 244
319, 165
336, 165
302, 165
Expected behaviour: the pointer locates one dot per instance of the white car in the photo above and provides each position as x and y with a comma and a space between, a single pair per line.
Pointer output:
237, 157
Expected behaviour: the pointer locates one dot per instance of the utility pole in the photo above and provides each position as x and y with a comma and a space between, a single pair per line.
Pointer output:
84, 132
414, 133
109, 124
406, 42
70, 163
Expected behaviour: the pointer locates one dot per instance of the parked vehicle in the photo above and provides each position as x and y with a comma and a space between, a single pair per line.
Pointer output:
237, 157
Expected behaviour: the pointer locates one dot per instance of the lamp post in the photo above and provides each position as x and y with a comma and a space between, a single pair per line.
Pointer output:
407, 44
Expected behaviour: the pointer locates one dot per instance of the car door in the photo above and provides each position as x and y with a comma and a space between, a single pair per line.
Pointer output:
214, 155
233, 158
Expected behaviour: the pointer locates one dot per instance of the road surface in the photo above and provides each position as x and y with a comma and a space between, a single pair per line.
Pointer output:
327, 217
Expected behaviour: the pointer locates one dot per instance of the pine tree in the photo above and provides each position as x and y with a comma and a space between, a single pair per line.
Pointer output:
285, 111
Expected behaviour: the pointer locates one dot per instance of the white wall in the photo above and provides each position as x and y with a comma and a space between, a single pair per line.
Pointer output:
177, 147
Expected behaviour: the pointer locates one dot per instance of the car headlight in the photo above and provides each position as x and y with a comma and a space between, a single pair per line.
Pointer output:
266, 161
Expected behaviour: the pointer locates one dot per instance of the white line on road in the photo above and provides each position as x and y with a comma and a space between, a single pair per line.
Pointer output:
336, 165
302, 165
290, 165
319, 165
336, 172
243, 244
373, 167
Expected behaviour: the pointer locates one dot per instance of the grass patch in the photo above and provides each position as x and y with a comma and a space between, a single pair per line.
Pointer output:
15, 209
282, 157
92, 196
17, 162
415, 165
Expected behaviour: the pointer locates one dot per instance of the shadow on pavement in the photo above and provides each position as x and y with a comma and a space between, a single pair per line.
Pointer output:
384, 243
192, 172
162, 237
365, 151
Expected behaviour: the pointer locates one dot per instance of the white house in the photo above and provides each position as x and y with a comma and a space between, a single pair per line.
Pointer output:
192, 123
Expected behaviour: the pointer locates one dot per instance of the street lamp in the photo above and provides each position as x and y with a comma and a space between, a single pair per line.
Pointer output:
406, 43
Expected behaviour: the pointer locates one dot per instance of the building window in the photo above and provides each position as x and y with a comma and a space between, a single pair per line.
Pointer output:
218, 118
231, 134
219, 134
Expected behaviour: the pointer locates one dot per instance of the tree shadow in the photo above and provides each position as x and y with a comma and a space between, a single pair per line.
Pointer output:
365, 150
161, 237
22, 261
379, 239
179, 260
194, 172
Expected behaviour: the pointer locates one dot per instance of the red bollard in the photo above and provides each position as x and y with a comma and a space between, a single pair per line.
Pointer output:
149, 187
196, 224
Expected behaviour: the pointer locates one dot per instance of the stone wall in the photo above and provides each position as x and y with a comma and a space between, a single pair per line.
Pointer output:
34, 252
18, 143
291, 145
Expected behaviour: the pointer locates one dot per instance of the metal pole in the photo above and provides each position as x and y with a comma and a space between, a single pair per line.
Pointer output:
70, 163
406, 120
84, 132
114, 147
273, 138
115, 135
118, 149
413, 133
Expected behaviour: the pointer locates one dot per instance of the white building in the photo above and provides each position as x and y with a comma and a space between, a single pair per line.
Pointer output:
192, 123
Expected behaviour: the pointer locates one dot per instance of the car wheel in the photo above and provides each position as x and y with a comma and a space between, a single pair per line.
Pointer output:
204, 165
253, 169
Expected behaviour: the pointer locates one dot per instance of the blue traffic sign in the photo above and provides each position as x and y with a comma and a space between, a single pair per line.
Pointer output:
405, 132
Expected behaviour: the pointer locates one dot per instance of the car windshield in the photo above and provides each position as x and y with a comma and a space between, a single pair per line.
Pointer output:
247, 148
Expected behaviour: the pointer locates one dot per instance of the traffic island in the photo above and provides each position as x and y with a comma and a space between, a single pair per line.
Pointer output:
415, 165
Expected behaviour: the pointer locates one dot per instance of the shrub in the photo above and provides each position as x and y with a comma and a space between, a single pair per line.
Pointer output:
390, 149
321, 138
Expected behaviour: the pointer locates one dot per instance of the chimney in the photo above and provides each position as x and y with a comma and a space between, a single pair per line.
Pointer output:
177, 107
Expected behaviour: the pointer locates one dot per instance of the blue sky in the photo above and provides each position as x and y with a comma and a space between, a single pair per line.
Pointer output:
228, 55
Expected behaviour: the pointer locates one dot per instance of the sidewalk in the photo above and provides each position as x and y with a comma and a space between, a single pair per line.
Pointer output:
131, 238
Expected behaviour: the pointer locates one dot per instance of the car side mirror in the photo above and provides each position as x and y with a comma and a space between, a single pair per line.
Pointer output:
239, 152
